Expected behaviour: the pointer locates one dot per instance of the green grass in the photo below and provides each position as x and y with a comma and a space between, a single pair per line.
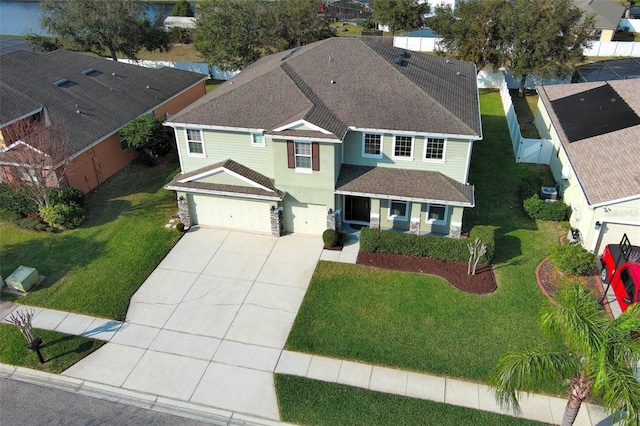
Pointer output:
311, 402
421, 323
96, 268
526, 107
60, 351
347, 29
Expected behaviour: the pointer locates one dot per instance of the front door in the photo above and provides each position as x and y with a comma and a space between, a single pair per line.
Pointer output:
357, 208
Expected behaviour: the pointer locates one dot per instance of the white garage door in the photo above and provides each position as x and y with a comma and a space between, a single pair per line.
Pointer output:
611, 233
305, 218
232, 213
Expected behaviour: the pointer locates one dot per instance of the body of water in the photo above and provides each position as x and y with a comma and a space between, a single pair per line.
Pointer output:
22, 17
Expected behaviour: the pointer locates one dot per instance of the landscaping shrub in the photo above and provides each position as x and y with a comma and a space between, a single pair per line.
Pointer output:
571, 259
180, 227
545, 210
28, 223
63, 215
16, 202
330, 238
451, 249
9, 216
67, 195
528, 186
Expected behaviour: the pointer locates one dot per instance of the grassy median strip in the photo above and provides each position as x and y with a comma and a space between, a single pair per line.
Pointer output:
60, 351
311, 402
96, 268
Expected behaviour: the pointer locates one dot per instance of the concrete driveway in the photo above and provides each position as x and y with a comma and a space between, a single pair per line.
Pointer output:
209, 324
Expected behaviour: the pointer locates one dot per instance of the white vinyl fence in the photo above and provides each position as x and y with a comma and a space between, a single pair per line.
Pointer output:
526, 150
198, 67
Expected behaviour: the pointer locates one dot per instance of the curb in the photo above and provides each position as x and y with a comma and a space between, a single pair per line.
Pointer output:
138, 399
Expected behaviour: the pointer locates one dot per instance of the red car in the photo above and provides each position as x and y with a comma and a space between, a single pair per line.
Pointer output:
619, 267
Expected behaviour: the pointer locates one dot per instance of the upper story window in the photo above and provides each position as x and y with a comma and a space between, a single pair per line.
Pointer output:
303, 156
434, 148
372, 145
257, 139
195, 143
403, 147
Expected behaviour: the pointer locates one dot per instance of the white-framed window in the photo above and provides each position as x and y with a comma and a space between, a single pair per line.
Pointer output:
303, 156
372, 145
434, 149
195, 143
257, 139
124, 145
403, 147
28, 175
398, 210
437, 214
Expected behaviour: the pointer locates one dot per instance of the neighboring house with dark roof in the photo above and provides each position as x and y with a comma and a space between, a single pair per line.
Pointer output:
338, 131
607, 16
88, 100
595, 129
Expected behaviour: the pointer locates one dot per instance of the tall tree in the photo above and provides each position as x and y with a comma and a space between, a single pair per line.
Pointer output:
474, 32
298, 23
228, 32
114, 27
399, 14
545, 37
182, 8
599, 358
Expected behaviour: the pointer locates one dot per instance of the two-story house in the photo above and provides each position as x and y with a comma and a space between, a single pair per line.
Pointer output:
339, 131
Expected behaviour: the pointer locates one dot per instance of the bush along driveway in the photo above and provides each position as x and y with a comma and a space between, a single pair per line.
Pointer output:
96, 268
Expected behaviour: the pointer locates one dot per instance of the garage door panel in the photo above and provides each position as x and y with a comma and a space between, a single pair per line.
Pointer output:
231, 213
308, 219
611, 233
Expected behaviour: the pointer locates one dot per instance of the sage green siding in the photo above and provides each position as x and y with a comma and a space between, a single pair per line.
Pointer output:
316, 187
454, 164
223, 145
386, 223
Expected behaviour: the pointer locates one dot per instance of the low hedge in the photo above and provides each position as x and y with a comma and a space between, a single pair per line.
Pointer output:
572, 259
16, 202
545, 210
455, 250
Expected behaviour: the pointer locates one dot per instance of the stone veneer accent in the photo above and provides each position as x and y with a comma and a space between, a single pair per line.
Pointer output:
183, 211
277, 221
414, 226
334, 220
455, 231
374, 221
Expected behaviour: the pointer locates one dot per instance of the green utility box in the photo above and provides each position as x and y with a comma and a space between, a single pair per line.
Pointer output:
23, 278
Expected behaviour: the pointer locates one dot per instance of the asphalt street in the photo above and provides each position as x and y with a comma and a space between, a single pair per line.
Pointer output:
29, 404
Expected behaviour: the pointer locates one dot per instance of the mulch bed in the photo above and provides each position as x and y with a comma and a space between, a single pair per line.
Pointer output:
455, 273
549, 277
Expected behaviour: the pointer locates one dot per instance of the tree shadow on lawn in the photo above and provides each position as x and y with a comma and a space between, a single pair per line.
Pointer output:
53, 256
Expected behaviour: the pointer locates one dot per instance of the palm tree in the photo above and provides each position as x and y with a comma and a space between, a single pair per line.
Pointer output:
599, 358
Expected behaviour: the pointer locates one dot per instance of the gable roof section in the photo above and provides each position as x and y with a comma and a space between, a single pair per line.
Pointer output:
106, 99
402, 184
607, 12
340, 82
260, 186
606, 165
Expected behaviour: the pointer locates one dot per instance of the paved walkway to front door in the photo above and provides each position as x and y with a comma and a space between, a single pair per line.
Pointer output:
209, 324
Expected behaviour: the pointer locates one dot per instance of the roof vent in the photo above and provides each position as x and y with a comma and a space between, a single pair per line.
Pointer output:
399, 61
64, 82
404, 53
90, 72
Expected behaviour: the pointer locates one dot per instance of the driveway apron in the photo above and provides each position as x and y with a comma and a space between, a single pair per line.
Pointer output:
210, 323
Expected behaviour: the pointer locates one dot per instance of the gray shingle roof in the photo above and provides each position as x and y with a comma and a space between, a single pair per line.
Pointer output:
417, 185
605, 165
271, 192
342, 82
113, 96
607, 12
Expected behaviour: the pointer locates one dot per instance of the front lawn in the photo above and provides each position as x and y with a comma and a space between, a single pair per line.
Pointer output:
60, 351
311, 402
421, 323
96, 268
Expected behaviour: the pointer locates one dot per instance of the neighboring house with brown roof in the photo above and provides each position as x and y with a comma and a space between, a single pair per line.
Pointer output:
595, 129
87, 100
338, 131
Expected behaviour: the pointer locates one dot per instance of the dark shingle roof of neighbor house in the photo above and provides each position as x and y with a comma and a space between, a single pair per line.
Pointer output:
606, 164
107, 98
402, 184
607, 13
183, 182
340, 82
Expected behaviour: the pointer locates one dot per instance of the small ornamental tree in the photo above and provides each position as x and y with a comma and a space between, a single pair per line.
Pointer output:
182, 8
148, 137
